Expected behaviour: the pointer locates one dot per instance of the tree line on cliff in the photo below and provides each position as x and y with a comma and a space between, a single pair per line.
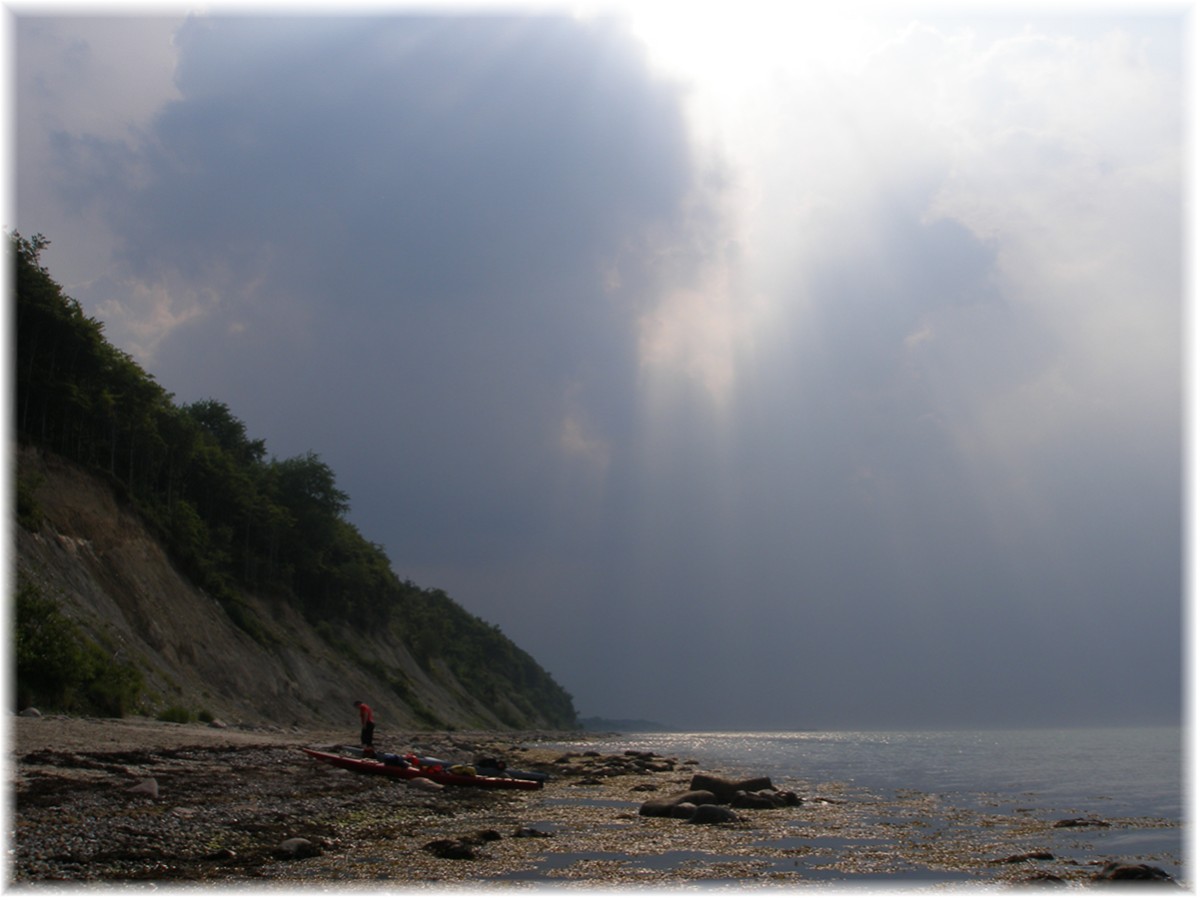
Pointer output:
235, 520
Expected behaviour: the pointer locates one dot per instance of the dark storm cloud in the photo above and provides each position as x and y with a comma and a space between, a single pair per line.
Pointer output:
400, 225
447, 159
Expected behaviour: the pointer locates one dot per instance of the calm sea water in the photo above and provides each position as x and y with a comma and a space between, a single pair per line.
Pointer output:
1109, 773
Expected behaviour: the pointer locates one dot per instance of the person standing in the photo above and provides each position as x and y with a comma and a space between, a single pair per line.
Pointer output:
367, 718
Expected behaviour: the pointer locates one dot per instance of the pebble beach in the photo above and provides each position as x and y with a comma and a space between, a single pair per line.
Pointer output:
134, 802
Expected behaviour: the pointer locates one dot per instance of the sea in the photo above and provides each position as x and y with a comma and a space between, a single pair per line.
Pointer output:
1134, 777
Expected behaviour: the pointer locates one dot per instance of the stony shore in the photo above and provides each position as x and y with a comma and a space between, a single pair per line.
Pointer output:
135, 801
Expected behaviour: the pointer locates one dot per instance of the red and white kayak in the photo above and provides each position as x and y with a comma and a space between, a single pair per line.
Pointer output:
438, 773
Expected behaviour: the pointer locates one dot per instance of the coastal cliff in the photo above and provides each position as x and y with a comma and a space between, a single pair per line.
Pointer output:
92, 553
167, 565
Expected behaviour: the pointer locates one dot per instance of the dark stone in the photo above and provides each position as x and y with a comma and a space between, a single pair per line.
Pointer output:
790, 798
1025, 857
756, 800
725, 790
1081, 823
462, 847
658, 765
682, 810
711, 814
526, 832
451, 848
663, 806
1117, 871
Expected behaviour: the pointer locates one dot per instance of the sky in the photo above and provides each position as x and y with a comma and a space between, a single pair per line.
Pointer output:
784, 371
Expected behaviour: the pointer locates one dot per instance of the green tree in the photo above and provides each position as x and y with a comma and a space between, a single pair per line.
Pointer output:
59, 668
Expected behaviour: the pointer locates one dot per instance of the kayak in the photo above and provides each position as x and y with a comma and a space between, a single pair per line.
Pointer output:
437, 773
511, 773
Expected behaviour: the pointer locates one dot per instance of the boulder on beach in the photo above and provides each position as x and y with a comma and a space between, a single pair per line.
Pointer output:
712, 814
451, 848
1118, 871
464, 846
727, 790
665, 806
528, 831
765, 799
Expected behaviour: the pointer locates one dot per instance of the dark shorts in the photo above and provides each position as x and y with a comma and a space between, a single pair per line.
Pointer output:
368, 734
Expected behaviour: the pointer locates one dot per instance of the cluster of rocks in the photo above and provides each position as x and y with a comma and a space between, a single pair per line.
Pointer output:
711, 800
1112, 871
592, 767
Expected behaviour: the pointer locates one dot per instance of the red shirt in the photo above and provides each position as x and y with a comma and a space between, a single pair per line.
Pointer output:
365, 714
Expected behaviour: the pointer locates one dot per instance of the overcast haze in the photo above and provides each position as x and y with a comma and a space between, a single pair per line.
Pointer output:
746, 372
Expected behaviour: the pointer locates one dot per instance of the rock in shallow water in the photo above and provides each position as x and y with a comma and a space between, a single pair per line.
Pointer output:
1117, 871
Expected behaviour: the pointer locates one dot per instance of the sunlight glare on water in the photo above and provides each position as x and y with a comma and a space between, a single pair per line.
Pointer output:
1116, 771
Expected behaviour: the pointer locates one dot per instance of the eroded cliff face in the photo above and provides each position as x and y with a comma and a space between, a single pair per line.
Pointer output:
93, 554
